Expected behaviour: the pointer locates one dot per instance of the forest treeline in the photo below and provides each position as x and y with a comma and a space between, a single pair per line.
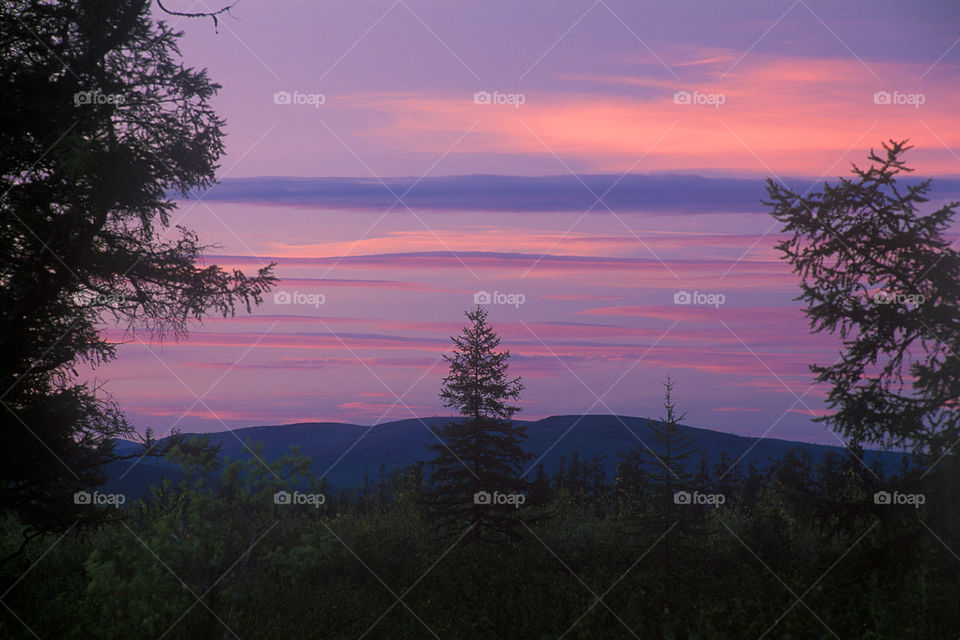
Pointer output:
795, 550
104, 123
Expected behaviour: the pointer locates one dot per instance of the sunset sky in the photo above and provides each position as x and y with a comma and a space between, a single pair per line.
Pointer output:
620, 159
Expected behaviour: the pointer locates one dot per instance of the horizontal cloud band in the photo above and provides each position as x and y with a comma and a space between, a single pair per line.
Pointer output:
664, 192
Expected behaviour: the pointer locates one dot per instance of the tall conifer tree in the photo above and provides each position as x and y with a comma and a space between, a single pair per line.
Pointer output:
476, 472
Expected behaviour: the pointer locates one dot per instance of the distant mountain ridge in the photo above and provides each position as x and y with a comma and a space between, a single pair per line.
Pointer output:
346, 453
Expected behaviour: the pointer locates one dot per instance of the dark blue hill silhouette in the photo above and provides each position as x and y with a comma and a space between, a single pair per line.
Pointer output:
346, 453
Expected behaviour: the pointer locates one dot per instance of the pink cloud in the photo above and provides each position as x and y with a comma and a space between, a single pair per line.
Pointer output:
791, 115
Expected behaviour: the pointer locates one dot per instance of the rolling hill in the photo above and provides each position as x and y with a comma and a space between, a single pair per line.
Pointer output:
345, 453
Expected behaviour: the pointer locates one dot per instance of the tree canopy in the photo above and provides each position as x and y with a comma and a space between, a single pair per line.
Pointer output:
478, 460
102, 125
881, 274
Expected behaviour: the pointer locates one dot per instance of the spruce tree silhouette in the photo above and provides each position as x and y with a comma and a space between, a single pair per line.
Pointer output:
475, 478
101, 123
881, 275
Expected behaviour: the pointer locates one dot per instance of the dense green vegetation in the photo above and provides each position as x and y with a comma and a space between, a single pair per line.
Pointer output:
217, 552
103, 121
